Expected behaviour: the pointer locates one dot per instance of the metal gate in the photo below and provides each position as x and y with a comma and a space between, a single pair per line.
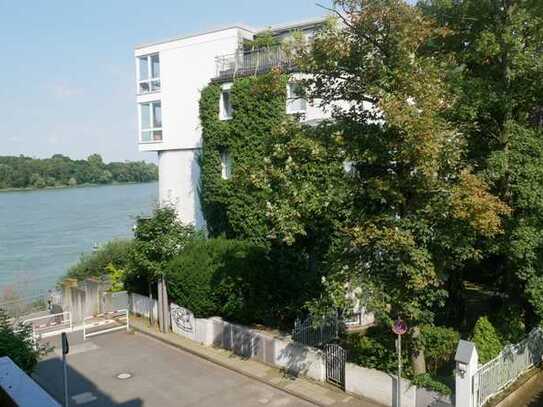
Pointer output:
335, 365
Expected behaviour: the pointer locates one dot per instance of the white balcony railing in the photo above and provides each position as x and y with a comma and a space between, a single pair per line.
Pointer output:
243, 63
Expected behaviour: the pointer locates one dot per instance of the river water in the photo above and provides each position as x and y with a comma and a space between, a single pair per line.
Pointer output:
43, 232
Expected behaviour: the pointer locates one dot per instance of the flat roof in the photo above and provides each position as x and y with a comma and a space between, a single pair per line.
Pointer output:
276, 28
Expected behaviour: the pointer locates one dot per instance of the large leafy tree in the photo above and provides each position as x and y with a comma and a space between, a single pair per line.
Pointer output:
496, 47
416, 209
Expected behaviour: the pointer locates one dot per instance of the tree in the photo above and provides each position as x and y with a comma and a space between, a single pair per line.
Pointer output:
495, 47
158, 239
417, 209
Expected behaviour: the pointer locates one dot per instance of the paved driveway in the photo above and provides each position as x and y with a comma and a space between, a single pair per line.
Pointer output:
160, 376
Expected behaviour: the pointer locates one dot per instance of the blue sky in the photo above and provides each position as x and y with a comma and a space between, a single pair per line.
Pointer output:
68, 73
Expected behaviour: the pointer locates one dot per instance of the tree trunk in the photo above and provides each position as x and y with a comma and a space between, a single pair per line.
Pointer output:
417, 357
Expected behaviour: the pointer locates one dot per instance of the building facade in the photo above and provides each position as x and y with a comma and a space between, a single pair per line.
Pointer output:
170, 77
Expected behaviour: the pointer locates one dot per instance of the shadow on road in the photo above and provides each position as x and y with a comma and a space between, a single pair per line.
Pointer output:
82, 391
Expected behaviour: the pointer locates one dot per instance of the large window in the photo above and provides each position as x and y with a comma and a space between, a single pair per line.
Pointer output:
295, 101
148, 73
150, 122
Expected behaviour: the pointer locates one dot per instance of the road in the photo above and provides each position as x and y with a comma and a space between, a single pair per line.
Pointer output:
160, 375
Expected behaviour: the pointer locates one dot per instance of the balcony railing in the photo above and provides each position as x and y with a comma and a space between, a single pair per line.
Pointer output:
244, 63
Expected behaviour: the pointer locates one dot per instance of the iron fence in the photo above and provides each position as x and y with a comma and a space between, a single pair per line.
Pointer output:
243, 63
316, 331
503, 370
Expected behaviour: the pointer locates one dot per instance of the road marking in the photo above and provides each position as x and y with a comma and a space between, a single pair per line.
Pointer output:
84, 398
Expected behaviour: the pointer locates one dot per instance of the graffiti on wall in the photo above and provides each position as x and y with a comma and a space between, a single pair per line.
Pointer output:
182, 320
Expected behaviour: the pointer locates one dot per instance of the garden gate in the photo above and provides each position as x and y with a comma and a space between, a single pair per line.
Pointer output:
335, 357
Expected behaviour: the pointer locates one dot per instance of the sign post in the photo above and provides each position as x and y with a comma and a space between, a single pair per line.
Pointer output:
65, 351
399, 328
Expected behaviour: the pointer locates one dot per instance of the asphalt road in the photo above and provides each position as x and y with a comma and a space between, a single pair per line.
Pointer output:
160, 375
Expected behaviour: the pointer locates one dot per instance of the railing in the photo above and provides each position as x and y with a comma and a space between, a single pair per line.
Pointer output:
48, 324
243, 63
503, 370
316, 331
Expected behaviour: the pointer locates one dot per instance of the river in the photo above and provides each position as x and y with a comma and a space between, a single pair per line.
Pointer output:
43, 232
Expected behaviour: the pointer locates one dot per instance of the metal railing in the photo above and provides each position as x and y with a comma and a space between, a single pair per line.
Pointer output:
243, 63
49, 324
505, 368
316, 331
106, 322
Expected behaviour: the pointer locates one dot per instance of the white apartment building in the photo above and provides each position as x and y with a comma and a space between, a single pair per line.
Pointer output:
170, 77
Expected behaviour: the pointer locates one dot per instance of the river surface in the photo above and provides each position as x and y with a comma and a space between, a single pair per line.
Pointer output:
43, 232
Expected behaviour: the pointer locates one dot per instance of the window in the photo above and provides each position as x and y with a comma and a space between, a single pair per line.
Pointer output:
226, 164
295, 102
148, 73
225, 104
150, 122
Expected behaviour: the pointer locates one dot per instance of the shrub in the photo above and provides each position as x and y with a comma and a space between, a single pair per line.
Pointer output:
486, 339
429, 382
377, 350
18, 344
439, 345
509, 323
115, 253
220, 277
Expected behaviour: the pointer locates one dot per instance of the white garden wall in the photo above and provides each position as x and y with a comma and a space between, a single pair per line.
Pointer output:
281, 352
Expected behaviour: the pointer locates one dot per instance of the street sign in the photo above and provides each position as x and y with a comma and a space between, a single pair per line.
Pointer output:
399, 327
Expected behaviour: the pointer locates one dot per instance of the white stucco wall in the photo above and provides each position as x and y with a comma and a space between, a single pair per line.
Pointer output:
179, 182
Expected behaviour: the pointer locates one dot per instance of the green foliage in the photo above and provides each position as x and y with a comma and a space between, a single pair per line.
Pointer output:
486, 339
234, 207
440, 344
235, 280
218, 277
413, 211
157, 240
18, 344
59, 170
112, 255
377, 350
495, 62
117, 276
509, 323
265, 39
431, 383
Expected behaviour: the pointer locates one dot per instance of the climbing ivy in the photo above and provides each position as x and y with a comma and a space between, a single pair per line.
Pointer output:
234, 207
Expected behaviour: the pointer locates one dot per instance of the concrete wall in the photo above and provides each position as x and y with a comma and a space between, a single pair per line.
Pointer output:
378, 386
143, 306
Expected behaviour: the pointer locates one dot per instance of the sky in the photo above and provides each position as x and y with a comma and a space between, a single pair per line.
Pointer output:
67, 67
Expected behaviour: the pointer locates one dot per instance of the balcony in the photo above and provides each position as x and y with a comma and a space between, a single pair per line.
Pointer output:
245, 63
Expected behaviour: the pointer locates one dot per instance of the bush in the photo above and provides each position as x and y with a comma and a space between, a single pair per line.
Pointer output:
486, 339
18, 344
220, 277
115, 253
509, 323
377, 350
440, 344
431, 383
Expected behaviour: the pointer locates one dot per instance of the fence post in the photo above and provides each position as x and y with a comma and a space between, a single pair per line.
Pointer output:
467, 363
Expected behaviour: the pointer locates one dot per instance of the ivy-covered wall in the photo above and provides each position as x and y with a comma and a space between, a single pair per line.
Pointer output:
233, 207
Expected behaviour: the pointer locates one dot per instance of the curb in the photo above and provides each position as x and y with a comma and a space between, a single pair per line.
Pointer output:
226, 366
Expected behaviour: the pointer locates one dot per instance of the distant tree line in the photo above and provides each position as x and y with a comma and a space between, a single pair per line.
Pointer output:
59, 170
